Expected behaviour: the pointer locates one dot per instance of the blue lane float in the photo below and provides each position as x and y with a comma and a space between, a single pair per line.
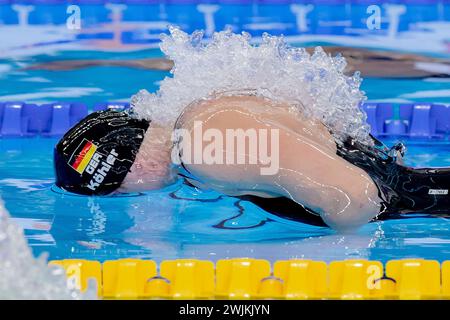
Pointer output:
415, 120
20, 119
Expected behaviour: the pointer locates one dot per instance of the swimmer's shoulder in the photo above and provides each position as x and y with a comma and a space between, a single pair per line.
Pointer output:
240, 101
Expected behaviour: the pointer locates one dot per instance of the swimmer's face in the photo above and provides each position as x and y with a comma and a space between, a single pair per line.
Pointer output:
152, 168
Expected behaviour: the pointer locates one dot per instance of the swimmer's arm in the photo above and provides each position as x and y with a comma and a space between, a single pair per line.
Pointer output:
389, 64
299, 163
343, 195
369, 63
160, 64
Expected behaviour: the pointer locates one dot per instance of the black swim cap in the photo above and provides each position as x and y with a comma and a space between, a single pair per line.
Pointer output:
94, 157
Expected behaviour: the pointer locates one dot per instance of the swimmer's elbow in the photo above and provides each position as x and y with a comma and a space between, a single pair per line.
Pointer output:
348, 220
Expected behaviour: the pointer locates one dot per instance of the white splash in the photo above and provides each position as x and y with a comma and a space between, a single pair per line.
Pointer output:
23, 276
230, 62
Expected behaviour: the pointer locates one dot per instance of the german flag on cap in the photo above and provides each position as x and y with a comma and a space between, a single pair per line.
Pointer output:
82, 155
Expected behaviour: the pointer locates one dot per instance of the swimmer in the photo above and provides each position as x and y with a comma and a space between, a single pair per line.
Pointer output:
320, 157
371, 63
157, 64
347, 184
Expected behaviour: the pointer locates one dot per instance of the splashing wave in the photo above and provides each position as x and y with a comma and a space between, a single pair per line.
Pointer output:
313, 82
23, 276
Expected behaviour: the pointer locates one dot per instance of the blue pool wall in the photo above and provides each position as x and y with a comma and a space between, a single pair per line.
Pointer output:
336, 17
413, 120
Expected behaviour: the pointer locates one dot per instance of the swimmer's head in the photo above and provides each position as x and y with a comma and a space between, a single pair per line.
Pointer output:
95, 156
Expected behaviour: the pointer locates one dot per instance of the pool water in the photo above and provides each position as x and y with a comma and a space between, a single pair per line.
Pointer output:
181, 221
184, 222
102, 83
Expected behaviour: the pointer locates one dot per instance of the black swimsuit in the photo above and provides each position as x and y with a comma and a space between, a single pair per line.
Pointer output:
403, 189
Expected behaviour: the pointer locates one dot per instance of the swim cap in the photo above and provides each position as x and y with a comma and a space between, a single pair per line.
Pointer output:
94, 157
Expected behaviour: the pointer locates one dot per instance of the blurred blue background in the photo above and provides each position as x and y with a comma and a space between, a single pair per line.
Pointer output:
181, 221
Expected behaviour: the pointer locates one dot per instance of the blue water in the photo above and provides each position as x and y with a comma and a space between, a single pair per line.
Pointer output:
98, 84
181, 221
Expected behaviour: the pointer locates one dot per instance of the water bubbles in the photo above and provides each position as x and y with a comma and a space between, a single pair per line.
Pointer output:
196, 38
230, 62
23, 276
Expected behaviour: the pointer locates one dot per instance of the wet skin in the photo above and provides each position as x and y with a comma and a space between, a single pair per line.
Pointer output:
310, 173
